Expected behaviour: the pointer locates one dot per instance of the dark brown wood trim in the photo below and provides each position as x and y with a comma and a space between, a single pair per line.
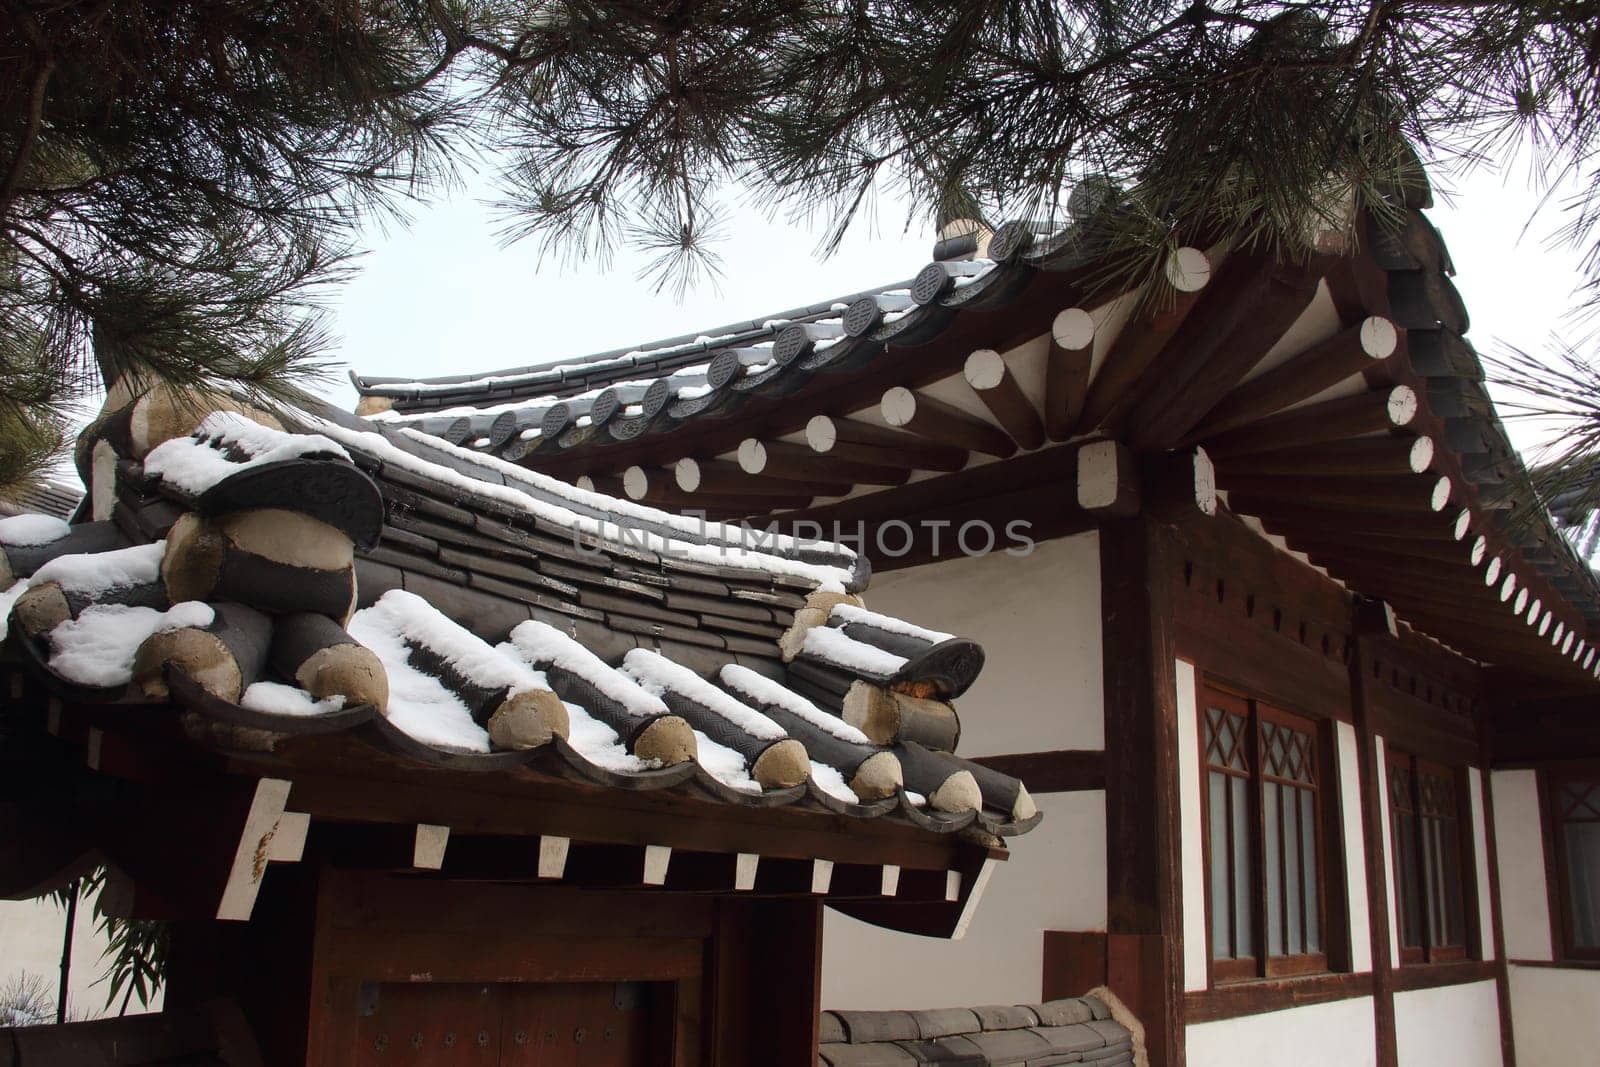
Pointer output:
1433, 975
1061, 771
1497, 935
1235, 999
1143, 859
1559, 965
1075, 962
1370, 625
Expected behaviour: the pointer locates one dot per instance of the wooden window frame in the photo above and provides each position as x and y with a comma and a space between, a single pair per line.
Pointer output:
1557, 863
1331, 925
1465, 867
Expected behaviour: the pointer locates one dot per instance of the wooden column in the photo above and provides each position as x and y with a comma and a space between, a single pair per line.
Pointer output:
766, 983
1497, 932
1374, 622
1144, 920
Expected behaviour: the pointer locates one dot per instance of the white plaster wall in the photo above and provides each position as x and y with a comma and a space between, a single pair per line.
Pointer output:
1480, 855
1355, 857
1038, 620
1553, 1013
1054, 880
1190, 820
30, 944
1519, 847
1451, 1026
1337, 1034
1380, 765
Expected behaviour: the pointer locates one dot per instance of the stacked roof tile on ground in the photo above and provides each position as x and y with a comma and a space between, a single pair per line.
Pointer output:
1075, 1030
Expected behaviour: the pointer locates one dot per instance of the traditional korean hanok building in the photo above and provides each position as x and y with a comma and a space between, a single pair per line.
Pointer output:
426, 758
1311, 718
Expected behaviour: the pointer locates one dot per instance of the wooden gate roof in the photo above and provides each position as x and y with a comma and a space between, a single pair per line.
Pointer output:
316, 598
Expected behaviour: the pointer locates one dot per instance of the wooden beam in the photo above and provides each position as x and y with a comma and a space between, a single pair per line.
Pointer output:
1386, 454
1401, 494
1254, 306
867, 442
1349, 352
781, 461
1143, 337
1066, 374
1379, 411
944, 423
718, 478
1064, 771
994, 384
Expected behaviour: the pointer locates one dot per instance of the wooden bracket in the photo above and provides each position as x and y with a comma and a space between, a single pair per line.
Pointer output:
255, 849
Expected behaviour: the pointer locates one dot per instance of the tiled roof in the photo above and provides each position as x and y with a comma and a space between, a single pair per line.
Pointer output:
1368, 441
1075, 1030
322, 575
621, 396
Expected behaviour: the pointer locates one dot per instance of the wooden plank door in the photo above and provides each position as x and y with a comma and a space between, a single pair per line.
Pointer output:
429, 1025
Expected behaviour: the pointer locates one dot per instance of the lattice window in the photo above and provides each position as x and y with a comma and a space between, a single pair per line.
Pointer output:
1577, 810
1263, 839
1230, 832
1430, 873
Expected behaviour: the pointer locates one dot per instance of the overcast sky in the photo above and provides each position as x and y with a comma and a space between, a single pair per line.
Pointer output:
443, 296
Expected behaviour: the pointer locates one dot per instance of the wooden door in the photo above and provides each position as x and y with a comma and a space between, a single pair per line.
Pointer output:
533, 1024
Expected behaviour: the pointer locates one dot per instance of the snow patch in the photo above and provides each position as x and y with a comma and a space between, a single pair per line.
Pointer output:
32, 530
842, 650
410, 618
94, 574
274, 698
831, 782
657, 674
419, 704
849, 613
8, 600
543, 645
196, 463
600, 745
725, 765
763, 690
97, 648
